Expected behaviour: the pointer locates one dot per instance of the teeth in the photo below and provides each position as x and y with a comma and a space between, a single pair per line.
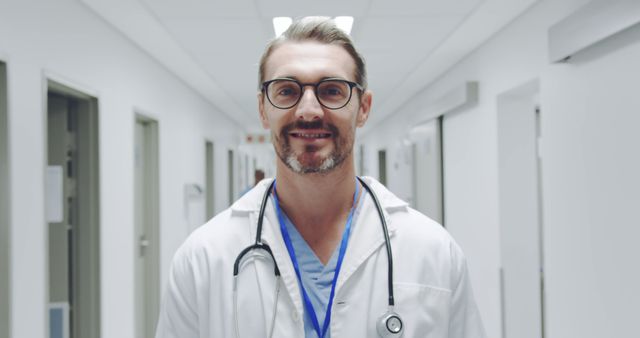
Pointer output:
313, 135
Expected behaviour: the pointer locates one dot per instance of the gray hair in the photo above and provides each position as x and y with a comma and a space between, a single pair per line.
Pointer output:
319, 29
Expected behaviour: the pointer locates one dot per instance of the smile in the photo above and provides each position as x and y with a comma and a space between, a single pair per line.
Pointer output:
311, 135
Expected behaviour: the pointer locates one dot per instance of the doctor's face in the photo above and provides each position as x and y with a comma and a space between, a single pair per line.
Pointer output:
309, 137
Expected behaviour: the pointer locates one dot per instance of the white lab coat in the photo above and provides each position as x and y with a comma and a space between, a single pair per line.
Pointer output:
432, 290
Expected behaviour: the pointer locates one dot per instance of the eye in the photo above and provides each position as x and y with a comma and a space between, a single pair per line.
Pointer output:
332, 89
285, 91
285, 88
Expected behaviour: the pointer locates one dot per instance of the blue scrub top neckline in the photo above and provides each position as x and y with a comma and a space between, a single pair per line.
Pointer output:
343, 248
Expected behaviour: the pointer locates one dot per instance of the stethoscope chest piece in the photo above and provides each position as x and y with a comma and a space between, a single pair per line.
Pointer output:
390, 325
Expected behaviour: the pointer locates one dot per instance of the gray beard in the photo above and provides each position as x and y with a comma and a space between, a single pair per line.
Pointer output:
342, 150
327, 165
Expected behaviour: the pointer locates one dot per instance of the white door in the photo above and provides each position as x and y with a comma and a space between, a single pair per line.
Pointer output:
520, 214
427, 169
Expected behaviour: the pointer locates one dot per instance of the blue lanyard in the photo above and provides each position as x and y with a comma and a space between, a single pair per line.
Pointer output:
292, 254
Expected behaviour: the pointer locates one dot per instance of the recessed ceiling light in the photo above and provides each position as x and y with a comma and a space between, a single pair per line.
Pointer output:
345, 23
280, 24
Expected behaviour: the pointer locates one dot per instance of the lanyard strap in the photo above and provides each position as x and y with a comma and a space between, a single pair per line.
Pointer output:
292, 254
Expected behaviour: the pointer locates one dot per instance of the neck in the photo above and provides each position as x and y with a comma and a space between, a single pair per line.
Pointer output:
318, 204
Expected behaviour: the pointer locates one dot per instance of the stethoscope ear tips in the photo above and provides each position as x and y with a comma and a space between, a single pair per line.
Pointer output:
390, 325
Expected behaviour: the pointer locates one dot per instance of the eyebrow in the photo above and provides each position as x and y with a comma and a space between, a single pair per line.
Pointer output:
294, 78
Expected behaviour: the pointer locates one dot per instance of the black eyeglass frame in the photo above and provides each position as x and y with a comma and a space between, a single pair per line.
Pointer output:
315, 90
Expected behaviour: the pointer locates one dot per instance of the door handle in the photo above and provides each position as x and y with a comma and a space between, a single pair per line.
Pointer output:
144, 244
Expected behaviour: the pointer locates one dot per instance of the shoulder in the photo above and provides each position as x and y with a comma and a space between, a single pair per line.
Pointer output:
414, 224
427, 254
229, 229
424, 239
418, 239
209, 245
406, 221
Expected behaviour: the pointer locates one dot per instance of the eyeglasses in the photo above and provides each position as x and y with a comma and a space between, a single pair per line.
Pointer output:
331, 93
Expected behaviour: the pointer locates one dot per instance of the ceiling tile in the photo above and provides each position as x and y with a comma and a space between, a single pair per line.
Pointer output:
421, 8
404, 46
298, 8
192, 9
228, 49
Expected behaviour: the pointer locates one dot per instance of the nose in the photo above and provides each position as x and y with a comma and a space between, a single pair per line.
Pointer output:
309, 108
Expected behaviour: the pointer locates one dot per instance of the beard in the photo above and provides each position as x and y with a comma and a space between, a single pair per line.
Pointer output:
308, 161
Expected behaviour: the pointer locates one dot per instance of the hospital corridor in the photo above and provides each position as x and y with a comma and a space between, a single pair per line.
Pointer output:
125, 125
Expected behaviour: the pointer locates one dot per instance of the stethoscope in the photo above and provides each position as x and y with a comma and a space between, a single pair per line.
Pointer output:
388, 325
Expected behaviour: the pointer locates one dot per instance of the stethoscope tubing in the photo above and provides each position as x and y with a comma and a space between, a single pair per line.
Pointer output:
258, 245
387, 240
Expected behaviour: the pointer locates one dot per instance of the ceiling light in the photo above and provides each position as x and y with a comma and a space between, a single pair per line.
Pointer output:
345, 23
280, 24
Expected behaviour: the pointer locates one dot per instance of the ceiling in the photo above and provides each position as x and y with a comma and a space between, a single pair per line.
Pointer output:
214, 46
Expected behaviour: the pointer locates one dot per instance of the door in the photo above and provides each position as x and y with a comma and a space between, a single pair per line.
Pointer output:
210, 179
74, 232
4, 207
147, 241
522, 272
231, 175
361, 160
427, 169
382, 166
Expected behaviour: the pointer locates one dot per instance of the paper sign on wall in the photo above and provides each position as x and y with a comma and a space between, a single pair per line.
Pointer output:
54, 194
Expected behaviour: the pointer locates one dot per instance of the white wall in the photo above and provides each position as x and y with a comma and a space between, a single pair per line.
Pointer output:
590, 184
592, 189
65, 41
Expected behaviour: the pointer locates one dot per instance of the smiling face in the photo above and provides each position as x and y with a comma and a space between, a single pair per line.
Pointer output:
308, 137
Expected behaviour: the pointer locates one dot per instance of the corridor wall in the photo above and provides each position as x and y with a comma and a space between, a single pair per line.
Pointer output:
589, 110
66, 42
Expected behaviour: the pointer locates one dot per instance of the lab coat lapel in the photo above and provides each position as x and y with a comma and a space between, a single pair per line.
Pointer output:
366, 236
271, 235
365, 239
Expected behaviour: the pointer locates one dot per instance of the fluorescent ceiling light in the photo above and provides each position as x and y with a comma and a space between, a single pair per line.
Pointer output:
280, 24
345, 23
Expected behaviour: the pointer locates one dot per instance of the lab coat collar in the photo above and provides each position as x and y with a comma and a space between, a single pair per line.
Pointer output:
366, 237
250, 202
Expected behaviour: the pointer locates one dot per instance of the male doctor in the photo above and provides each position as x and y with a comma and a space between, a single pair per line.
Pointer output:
320, 226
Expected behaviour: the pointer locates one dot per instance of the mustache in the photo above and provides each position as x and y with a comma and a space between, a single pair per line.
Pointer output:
316, 124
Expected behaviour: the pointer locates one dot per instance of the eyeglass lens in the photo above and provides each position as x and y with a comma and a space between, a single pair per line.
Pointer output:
332, 94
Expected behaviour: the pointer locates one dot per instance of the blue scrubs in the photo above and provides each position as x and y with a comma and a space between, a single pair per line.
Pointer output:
315, 277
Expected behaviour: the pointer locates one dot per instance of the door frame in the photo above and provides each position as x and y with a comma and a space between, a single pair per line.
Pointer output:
88, 290
148, 313
5, 210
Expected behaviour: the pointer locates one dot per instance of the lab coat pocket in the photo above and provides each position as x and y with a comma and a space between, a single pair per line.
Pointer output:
255, 285
424, 310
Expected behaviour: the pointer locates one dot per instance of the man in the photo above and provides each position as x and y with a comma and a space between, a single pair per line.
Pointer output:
320, 225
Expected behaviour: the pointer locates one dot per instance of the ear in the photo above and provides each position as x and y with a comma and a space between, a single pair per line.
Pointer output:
365, 107
263, 116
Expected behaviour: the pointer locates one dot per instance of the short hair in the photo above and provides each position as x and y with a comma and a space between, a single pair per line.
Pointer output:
319, 29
